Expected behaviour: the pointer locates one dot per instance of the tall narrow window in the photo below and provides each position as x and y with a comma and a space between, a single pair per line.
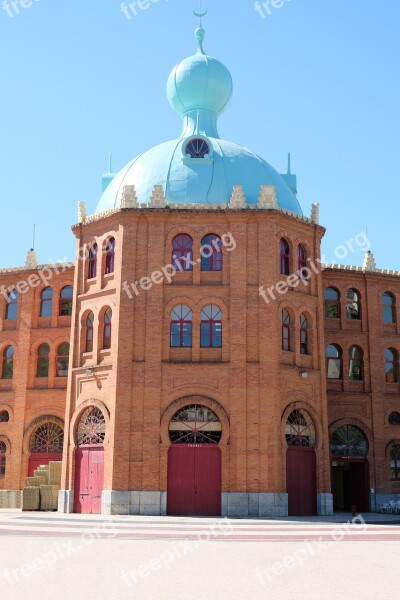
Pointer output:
285, 257
110, 256
332, 303
89, 333
304, 326
395, 461
211, 253
211, 327
62, 362
43, 361
181, 327
353, 309
356, 363
392, 365
389, 308
182, 252
66, 298
302, 261
46, 302
107, 329
286, 327
3, 450
7, 370
12, 306
92, 266
334, 361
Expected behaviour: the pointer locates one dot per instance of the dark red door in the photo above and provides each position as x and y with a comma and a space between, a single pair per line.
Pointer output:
359, 485
301, 481
89, 479
35, 460
194, 480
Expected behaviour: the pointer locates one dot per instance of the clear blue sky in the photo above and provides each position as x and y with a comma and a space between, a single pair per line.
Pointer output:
318, 78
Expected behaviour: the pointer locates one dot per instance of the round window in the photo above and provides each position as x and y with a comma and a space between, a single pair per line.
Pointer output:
197, 148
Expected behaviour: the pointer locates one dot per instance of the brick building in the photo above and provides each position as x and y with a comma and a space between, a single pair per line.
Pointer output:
205, 362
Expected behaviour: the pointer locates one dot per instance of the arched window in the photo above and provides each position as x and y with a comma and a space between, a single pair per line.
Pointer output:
211, 253
211, 327
66, 298
43, 361
182, 252
110, 256
349, 442
62, 362
353, 306
304, 342
46, 302
395, 461
302, 260
107, 329
394, 418
356, 363
92, 427
47, 439
332, 303
389, 308
195, 425
8, 363
300, 430
286, 330
285, 257
3, 451
392, 365
4, 416
334, 361
12, 306
89, 333
92, 262
181, 327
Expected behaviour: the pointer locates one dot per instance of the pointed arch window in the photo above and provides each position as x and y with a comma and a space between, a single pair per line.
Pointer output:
181, 327
92, 262
46, 302
334, 359
107, 329
110, 256
211, 253
89, 332
211, 327
7, 370
62, 361
356, 363
286, 330
42, 369
304, 341
12, 306
66, 299
182, 252
389, 308
284, 257
392, 365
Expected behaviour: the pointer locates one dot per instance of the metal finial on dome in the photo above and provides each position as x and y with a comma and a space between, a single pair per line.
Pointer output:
200, 33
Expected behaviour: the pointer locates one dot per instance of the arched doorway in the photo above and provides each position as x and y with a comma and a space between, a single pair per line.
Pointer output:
194, 463
89, 462
301, 480
350, 469
46, 444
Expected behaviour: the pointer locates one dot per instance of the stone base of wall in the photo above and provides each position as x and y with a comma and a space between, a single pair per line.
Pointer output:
254, 505
10, 499
66, 501
133, 503
325, 505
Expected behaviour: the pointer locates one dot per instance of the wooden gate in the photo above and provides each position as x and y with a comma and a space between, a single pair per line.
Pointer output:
89, 479
301, 481
194, 480
35, 460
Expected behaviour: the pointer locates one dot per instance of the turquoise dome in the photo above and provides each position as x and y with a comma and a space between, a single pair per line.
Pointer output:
199, 89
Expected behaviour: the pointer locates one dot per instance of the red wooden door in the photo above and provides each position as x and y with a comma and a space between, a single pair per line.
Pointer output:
301, 481
194, 480
89, 479
35, 460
